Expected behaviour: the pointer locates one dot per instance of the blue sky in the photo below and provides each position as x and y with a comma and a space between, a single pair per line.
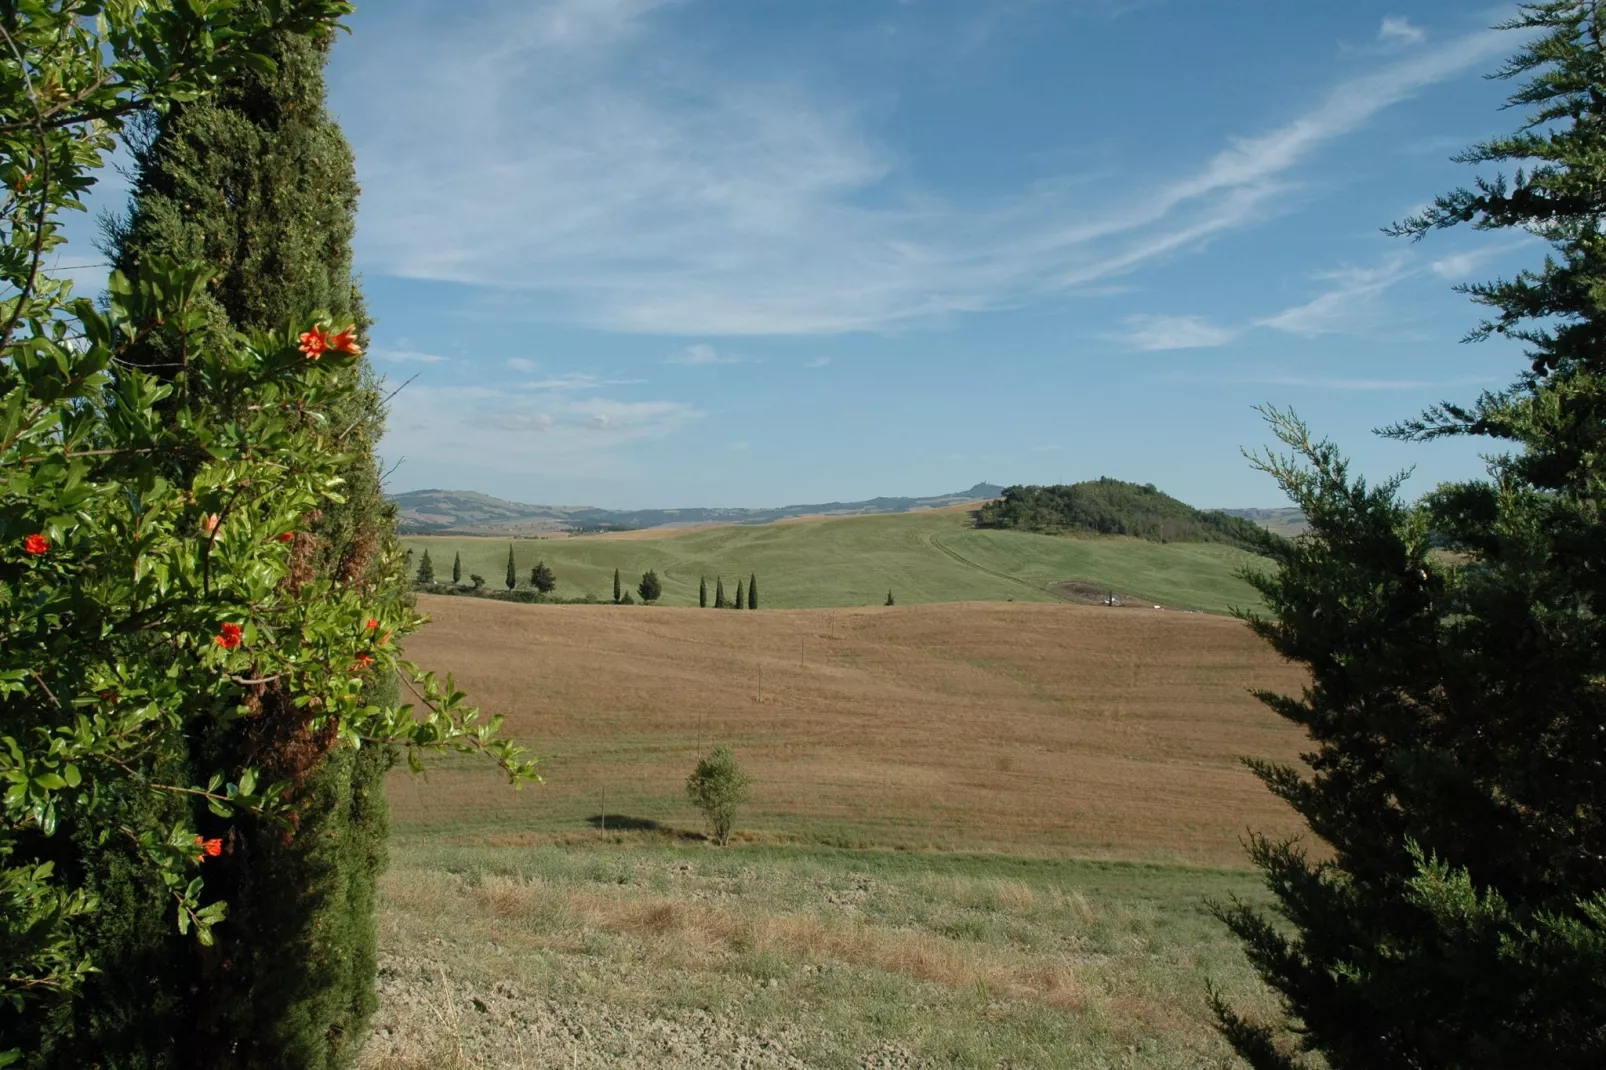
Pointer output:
686, 252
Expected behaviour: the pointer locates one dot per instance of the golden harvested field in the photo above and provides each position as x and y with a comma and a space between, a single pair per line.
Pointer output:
1026, 729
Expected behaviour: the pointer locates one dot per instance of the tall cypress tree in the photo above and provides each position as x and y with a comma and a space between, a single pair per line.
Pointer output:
617, 589
702, 592
1456, 916
457, 567
426, 568
752, 591
740, 598
512, 569
258, 181
719, 592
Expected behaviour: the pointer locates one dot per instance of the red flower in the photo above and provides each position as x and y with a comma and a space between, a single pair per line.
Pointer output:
346, 342
209, 848
314, 343
372, 624
288, 536
363, 661
228, 636
35, 545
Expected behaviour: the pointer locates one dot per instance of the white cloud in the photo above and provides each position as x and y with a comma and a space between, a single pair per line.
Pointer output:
1399, 31
594, 162
1172, 332
1341, 309
523, 430
702, 354
578, 381
405, 356
816, 362
522, 364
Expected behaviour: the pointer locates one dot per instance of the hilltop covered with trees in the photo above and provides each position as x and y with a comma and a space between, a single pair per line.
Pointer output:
1113, 507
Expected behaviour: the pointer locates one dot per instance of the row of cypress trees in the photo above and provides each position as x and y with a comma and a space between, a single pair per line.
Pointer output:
258, 181
746, 598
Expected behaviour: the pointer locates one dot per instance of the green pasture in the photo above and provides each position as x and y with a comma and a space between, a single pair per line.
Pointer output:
854, 561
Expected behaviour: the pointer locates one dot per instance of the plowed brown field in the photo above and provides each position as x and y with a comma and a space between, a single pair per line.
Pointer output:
1019, 728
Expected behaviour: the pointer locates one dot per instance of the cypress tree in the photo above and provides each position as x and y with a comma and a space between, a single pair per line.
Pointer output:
258, 181
719, 592
1456, 915
512, 569
651, 588
617, 590
457, 567
426, 569
740, 598
752, 591
889, 596
702, 592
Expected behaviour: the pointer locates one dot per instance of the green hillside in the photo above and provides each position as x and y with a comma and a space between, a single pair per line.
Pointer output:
1113, 507
921, 557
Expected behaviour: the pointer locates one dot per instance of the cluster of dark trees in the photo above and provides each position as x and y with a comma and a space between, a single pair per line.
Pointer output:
1112, 507
746, 597
542, 578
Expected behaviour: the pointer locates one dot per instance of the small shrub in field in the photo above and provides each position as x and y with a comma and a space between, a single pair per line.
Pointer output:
717, 787
477, 580
650, 588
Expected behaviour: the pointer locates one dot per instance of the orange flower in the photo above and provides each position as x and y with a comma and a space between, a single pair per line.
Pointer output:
372, 624
363, 661
35, 545
209, 523
288, 536
209, 848
228, 636
314, 343
346, 342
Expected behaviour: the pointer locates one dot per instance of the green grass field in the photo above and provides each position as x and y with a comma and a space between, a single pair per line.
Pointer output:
814, 564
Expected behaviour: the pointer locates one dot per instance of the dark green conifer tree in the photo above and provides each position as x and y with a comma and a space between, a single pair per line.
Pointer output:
889, 596
651, 588
702, 592
426, 569
512, 569
617, 589
457, 567
543, 579
257, 180
719, 592
752, 591
1455, 913
740, 598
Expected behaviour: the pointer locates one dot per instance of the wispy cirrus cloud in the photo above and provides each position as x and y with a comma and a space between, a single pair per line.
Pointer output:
702, 354
577, 381
1150, 332
592, 161
1338, 310
1399, 31
405, 356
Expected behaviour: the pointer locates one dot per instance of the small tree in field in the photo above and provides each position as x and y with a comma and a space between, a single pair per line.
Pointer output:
512, 569
717, 787
889, 596
752, 591
477, 580
617, 589
651, 588
719, 592
702, 593
740, 597
543, 579
426, 569
457, 568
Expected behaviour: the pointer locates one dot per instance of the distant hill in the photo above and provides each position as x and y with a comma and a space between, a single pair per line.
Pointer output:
1287, 522
442, 512
1113, 507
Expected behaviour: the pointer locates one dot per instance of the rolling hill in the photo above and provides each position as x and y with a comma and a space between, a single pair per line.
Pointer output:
922, 557
471, 513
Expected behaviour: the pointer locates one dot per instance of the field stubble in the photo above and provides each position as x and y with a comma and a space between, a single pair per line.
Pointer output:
982, 836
